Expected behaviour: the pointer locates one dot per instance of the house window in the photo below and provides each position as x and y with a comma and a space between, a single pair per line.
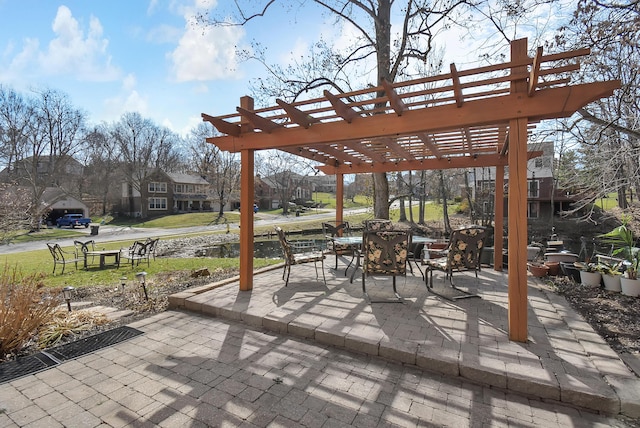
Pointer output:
157, 187
186, 188
533, 209
157, 203
533, 189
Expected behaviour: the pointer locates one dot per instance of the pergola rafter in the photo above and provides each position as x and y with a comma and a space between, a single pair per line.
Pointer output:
460, 119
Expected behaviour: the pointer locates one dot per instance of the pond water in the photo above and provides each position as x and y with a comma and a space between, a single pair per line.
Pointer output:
261, 249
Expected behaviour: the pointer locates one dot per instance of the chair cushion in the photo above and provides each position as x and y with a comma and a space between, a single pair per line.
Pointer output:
385, 253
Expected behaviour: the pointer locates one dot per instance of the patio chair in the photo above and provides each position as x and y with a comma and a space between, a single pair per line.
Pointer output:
462, 254
136, 252
82, 248
384, 253
377, 225
62, 257
332, 229
152, 244
298, 253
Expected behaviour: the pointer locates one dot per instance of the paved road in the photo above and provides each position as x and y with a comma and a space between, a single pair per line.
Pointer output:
108, 233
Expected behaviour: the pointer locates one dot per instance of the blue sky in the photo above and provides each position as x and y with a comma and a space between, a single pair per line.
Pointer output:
116, 56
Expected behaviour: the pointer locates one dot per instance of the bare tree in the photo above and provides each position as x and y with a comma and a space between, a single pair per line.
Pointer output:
378, 46
143, 147
220, 169
285, 173
102, 159
15, 210
16, 121
606, 133
43, 155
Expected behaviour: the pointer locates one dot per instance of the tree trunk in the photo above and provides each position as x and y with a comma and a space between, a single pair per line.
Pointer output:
445, 208
423, 197
380, 195
400, 187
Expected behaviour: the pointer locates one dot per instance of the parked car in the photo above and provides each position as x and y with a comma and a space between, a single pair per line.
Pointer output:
73, 220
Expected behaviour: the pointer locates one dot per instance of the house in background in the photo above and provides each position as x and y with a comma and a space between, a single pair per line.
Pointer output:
163, 193
58, 203
46, 171
543, 200
323, 183
275, 190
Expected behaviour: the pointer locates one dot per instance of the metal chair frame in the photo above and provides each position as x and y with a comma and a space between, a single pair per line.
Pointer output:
332, 230
62, 257
309, 253
463, 254
136, 252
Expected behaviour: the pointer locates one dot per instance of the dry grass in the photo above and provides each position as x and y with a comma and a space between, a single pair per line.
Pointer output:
25, 305
65, 325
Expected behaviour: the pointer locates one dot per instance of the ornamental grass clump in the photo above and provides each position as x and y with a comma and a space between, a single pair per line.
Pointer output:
25, 305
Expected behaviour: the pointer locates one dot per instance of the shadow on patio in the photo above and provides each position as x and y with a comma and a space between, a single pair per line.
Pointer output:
564, 359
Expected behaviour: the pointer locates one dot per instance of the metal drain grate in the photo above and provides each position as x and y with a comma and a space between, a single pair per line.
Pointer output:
25, 366
34, 363
93, 343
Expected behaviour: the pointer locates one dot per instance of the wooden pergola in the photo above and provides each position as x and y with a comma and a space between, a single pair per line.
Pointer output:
462, 119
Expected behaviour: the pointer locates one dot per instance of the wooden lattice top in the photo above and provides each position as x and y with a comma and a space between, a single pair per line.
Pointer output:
457, 119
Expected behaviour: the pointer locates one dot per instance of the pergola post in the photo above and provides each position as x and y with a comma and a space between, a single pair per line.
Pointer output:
517, 221
498, 219
247, 186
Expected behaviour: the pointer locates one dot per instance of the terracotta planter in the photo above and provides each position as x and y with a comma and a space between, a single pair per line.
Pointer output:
630, 287
554, 268
538, 270
612, 282
590, 279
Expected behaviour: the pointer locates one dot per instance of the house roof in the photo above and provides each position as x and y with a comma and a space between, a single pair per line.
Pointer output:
186, 178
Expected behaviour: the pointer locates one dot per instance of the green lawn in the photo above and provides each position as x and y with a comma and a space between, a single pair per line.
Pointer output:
45, 234
40, 263
181, 220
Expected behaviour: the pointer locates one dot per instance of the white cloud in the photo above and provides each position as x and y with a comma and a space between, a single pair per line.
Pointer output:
72, 52
129, 99
129, 82
205, 52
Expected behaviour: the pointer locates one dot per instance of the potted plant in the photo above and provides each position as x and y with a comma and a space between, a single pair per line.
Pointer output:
624, 246
537, 269
589, 274
629, 283
611, 275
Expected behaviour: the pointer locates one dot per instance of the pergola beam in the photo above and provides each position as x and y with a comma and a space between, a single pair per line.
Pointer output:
296, 115
548, 103
535, 72
223, 126
342, 109
394, 99
484, 160
258, 121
